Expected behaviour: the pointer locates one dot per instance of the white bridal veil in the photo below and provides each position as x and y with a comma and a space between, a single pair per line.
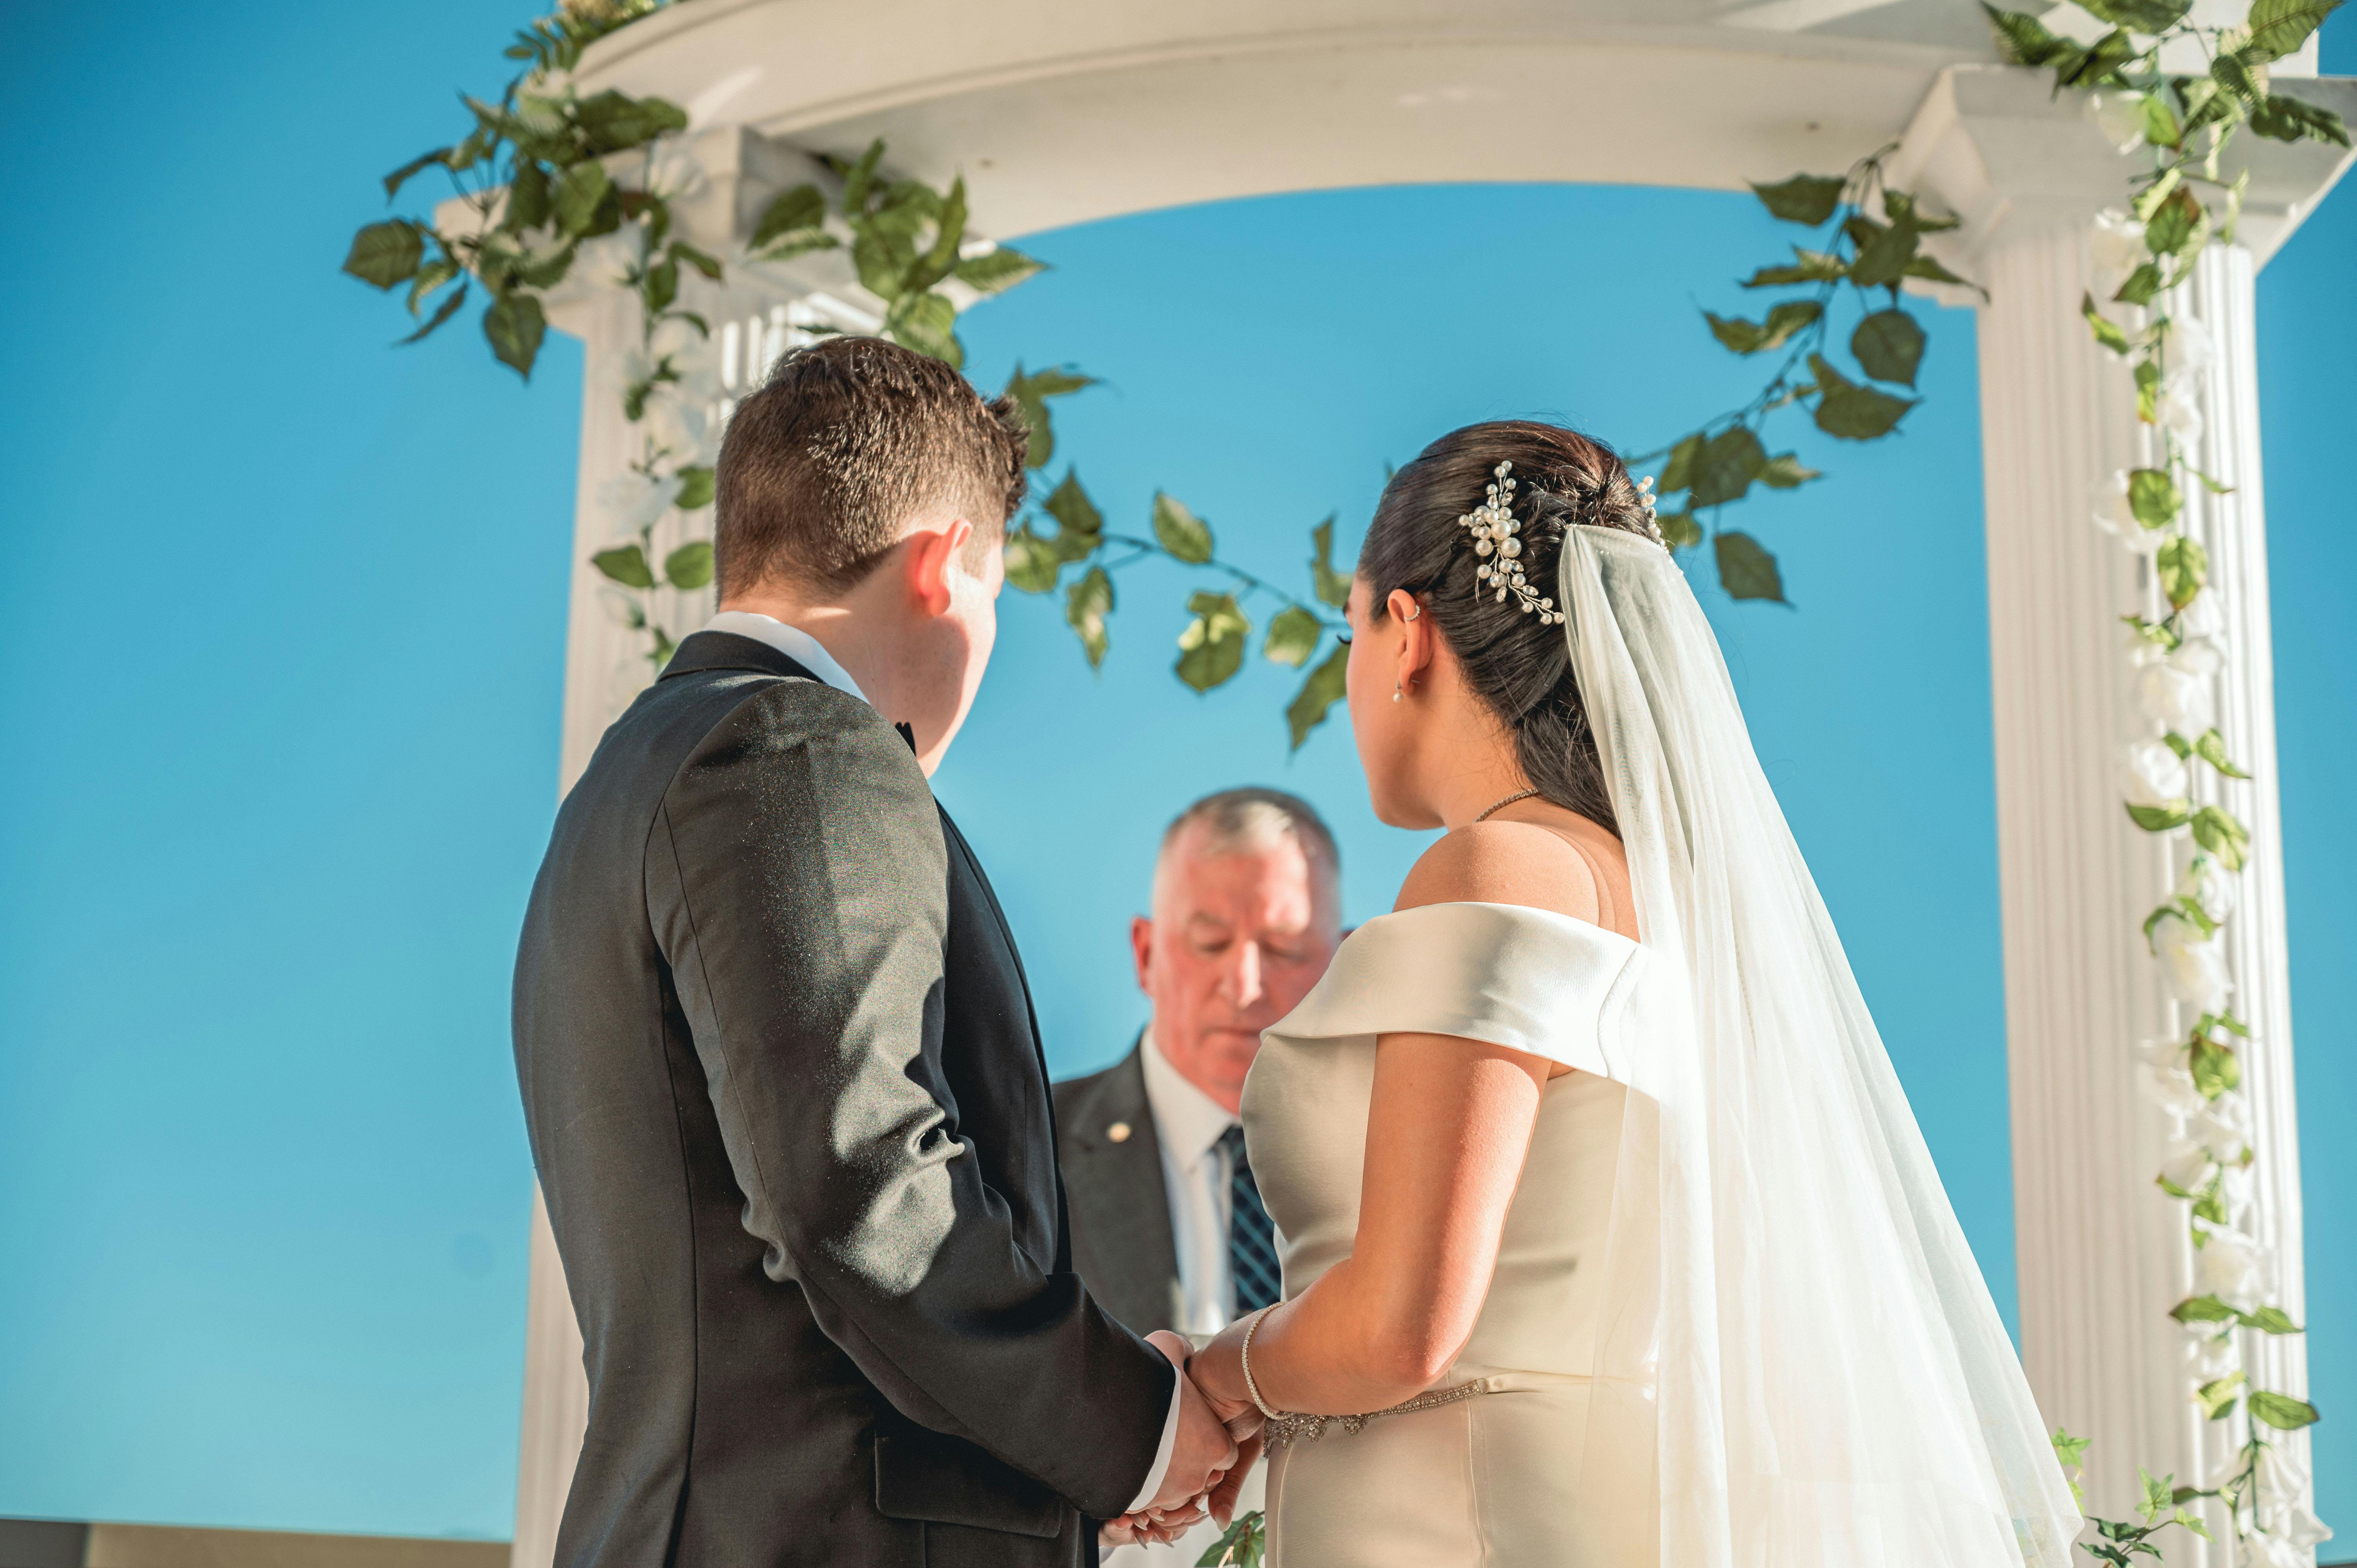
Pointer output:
1833, 1386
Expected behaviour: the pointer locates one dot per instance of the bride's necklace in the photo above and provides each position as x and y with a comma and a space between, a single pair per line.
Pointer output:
1501, 805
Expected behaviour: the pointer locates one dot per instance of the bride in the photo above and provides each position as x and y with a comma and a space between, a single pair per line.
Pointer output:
1608, 1236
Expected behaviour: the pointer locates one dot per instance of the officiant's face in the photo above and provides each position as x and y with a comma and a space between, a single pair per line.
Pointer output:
1235, 941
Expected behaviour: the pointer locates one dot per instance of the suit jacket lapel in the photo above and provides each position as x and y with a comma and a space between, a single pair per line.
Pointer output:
1122, 1201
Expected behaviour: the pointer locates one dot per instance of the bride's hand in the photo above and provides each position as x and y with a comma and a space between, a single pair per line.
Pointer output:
1218, 1370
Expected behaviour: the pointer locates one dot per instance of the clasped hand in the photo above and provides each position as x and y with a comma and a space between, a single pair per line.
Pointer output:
1217, 1441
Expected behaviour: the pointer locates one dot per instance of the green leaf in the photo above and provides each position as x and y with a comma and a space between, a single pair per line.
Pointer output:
2023, 40
2285, 119
1332, 587
614, 121
1181, 531
1750, 336
2153, 497
1783, 472
663, 647
860, 177
2216, 1397
1293, 636
1899, 207
2282, 1412
1678, 472
1079, 526
400, 177
1030, 393
695, 488
689, 568
386, 253
2097, 66
1804, 199
942, 258
927, 323
626, 564
1211, 649
2271, 1320
2142, 285
2211, 749
2177, 225
1087, 604
1813, 266
1032, 563
2222, 835
795, 211
995, 272
2215, 1068
1745, 570
580, 192
450, 304
701, 261
1852, 412
1679, 530
2184, 566
2157, 819
1889, 346
1883, 252
661, 287
1925, 267
2202, 1309
2147, 17
529, 194
2162, 128
1318, 694
2280, 28
515, 325
431, 276
1730, 461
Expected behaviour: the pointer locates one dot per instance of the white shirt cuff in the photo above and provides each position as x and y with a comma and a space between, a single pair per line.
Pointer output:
1162, 1454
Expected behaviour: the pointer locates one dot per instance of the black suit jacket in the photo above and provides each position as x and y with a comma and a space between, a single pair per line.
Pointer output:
786, 1097
1121, 1209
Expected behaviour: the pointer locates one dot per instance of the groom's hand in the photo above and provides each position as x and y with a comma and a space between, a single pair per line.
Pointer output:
1202, 1453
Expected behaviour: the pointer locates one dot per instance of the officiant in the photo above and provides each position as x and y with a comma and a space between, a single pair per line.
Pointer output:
1167, 1225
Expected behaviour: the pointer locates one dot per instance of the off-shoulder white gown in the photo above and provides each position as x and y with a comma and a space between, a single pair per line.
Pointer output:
1553, 1462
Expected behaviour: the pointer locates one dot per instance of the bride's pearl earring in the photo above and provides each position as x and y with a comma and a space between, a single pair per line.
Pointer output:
1395, 691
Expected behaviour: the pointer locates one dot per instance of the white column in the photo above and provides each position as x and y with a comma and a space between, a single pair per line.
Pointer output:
2103, 1253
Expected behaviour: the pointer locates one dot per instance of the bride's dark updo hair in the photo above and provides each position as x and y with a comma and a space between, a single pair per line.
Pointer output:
1517, 662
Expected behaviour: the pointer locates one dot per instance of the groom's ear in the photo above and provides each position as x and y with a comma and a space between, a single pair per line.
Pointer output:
933, 555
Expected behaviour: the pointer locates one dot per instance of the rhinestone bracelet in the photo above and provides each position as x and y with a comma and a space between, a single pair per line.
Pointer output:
1283, 1429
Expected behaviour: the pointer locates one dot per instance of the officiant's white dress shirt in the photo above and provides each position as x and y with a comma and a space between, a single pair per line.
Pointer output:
807, 651
1188, 1123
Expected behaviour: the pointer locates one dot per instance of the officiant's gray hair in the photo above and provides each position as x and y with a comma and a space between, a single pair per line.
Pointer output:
1242, 820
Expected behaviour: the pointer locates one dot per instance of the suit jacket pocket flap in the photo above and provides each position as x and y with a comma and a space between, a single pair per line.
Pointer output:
944, 1481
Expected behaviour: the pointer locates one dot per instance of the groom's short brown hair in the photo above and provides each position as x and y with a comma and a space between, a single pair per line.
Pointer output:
848, 440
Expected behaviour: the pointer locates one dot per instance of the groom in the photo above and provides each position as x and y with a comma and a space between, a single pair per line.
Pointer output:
779, 1064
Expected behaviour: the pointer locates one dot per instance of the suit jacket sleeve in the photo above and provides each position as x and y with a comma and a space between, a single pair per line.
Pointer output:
796, 880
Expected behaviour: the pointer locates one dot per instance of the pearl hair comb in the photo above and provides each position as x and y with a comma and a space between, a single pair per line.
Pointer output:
1494, 528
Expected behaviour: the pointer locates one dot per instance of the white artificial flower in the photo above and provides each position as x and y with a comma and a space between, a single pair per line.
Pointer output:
2233, 1267
2177, 413
2163, 1081
2121, 116
694, 362
2210, 1355
2280, 1475
606, 260
2153, 775
671, 171
2192, 348
2115, 248
679, 427
2198, 656
2201, 619
2187, 1165
2261, 1551
2194, 965
638, 501
2177, 698
2223, 1127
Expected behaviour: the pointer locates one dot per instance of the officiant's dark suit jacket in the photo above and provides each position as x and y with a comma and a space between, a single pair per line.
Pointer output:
1121, 1210
786, 1097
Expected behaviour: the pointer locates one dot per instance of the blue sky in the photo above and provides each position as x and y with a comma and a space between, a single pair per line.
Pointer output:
283, 634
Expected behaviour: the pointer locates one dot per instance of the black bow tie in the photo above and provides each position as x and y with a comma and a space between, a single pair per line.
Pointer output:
909, 736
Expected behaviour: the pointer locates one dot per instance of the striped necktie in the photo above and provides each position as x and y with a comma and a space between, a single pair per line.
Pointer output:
1252, 1238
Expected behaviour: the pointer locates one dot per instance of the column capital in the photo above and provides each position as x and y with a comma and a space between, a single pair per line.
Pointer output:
1998, 147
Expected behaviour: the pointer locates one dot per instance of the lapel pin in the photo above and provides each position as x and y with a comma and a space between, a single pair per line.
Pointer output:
1118, 1132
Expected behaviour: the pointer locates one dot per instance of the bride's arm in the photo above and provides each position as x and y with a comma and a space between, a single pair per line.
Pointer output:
1448, 1130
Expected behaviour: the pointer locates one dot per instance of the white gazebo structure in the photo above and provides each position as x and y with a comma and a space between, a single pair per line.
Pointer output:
1058, 113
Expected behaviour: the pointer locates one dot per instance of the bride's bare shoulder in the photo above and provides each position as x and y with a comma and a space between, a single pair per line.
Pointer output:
1510, 862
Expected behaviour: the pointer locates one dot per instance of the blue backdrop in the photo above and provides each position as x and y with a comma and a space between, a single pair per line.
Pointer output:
283, 619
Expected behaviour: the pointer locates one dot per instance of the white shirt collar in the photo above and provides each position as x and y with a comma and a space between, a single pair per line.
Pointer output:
1187, 1120
791, 640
